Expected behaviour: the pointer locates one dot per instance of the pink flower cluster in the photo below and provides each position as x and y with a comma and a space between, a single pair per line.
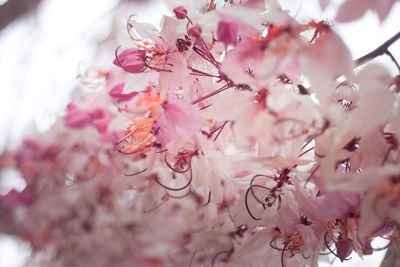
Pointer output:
235, 136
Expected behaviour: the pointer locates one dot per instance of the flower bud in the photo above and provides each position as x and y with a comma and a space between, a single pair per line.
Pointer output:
344, 247
131, 60
180, 12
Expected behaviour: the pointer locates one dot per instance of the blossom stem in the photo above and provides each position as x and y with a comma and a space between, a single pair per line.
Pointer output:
387, 52
220, 130
382, 49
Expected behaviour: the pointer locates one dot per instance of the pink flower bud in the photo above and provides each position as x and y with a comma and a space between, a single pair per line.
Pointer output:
131, 60
77, 118
116, 93
195, 31
227, 32
180, 12
344, 248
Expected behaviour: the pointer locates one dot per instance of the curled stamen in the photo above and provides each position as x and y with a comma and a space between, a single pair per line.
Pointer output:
305, 257
172, 168
183, 196
129, 27
136, 173
273, 246
247, 206
283, 254
262, 202
179, 188
370, 247
209, 199
220, 253
165, 198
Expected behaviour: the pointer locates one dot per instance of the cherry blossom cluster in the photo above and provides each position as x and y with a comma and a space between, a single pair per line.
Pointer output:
236, 135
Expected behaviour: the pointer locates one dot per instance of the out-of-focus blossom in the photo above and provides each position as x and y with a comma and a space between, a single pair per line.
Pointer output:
231, 135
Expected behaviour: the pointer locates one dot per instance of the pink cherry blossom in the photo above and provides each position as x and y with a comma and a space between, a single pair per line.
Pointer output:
246, 137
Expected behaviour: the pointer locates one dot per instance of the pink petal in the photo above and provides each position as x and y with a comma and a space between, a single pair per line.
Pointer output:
116, 93
101, 124
227, 32
77, 118
323, 4
352, 10
14, 198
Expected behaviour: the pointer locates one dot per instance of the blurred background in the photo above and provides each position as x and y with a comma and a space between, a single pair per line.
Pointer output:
46, 44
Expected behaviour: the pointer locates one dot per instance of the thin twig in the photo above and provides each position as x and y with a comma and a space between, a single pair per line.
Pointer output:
387, 52
382, 49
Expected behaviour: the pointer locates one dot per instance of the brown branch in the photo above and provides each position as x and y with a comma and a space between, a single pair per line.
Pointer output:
13, 9
382, 49
393, 59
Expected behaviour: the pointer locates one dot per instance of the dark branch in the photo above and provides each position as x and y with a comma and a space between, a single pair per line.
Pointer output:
14, 9
383, 49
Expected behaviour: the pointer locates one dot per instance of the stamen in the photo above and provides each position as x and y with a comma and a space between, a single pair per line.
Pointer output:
179, 188
136, 173
247, 206
172, 168
209, 199
223, 88
165, 198
221, 128
331, 251
262, 202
